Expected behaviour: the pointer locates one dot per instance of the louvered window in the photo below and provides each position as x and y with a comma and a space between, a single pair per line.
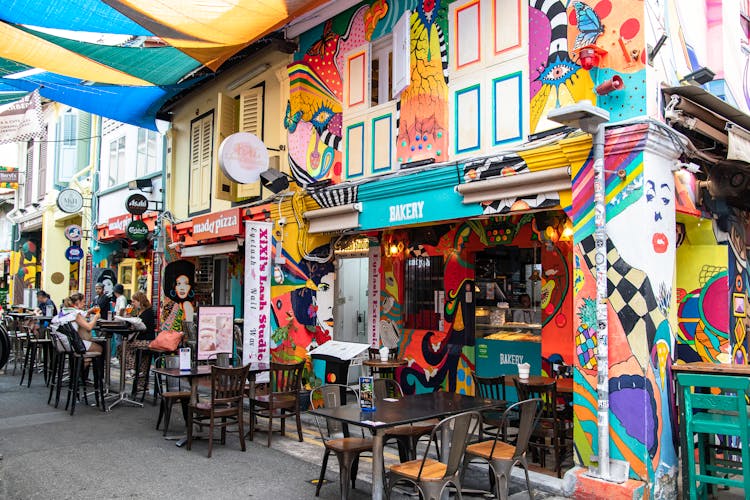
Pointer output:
42, 185
29, 188
251, 120
201, 152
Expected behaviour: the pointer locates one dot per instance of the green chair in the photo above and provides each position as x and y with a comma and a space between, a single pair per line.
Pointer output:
709, 414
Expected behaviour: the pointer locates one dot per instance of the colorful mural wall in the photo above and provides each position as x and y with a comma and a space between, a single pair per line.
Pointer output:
315, 113
25, 268
444, 358
614, 27
641, 266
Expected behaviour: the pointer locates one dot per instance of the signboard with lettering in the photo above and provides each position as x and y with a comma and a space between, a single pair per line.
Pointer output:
73, 232
8, 177
74, 253
243, 157
31, 224
136, 204
137, 230
70, 201
420, 198
217, 225
257, 324
373, 299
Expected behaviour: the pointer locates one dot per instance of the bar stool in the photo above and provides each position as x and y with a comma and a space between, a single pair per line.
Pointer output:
77, 362
707, 415
34, 344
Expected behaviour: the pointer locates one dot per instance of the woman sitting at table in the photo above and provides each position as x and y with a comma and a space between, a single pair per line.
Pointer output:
76, 316
141, 309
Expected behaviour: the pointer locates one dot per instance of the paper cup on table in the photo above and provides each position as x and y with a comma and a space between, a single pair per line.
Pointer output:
383, 353
523, 370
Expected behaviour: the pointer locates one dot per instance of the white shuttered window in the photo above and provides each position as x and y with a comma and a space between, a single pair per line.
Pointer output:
201, 155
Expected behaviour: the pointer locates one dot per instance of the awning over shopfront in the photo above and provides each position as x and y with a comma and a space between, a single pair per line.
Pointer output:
213, 249
517, 185
332, 219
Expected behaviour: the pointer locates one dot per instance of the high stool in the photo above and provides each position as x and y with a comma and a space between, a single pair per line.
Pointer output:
77, 362
33, 344
718, 414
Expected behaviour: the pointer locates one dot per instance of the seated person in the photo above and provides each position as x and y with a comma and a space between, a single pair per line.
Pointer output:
525, 314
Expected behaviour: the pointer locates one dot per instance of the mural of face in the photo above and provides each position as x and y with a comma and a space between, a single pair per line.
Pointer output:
324, 300
182, 286
109, 285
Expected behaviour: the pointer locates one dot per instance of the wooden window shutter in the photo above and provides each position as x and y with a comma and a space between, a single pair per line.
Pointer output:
29, 187
201, 132
401, 54
43, 166
226, 125
83, 153
251, 120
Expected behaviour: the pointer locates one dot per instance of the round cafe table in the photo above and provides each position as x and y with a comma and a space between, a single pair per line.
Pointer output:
122, 328
387, 368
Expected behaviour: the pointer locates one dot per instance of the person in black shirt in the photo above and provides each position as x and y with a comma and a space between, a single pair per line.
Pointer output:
143, 310
101, 300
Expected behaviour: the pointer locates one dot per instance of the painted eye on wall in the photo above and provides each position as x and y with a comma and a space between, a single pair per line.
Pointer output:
557, 72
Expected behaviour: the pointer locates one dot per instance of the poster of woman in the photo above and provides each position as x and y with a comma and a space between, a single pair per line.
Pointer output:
215, 331
179, 279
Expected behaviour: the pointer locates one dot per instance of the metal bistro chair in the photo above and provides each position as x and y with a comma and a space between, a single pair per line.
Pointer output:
722, 414
502, 456
431, 476
495, 420
406, 436
336, 438
227, 395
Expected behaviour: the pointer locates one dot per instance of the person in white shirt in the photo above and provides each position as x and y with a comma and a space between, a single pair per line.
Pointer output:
525, 314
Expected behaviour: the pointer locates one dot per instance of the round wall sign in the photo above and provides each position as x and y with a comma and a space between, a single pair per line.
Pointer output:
137, 230
70, 201
74, 253
136, 204
73, 232
57, 277
243, 157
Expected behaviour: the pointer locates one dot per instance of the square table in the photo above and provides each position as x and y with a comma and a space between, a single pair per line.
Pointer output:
205, 371
406, 410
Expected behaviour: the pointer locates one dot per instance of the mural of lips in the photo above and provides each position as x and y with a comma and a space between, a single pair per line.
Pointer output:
660, 242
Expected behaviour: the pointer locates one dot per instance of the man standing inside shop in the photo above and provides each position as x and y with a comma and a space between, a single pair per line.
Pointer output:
101, 300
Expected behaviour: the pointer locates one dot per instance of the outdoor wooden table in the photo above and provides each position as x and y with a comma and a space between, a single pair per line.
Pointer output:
564, 385
386, 367
124, 329
205, 371
708, 369
406, 410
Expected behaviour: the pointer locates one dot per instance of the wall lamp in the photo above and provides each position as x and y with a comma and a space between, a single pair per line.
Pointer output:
701, 76
274, 180
589, 56
251, 73
145, 185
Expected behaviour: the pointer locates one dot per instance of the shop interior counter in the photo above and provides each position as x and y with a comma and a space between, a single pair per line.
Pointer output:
502, 345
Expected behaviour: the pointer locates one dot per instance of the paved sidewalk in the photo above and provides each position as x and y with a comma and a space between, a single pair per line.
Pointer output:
46, 453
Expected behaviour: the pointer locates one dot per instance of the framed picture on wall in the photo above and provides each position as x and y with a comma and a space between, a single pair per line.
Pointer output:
215, 324
738, 305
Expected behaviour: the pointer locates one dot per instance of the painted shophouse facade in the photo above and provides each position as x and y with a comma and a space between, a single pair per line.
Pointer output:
432, 128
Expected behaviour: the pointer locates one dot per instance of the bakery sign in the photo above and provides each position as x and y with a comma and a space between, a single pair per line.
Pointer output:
218, 225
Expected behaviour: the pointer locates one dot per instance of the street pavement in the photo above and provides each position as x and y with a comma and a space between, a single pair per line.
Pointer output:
46, 453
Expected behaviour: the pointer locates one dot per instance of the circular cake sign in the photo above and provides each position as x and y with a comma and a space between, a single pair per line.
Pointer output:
243, 157
137, 230
136, 204
73, 232
74, 253
70, 201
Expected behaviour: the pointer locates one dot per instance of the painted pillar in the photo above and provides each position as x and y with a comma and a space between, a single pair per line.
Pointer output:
641, 249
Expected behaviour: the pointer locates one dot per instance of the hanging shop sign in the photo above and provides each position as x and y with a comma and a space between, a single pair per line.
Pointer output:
257, 338
137, 230
73, 232
243, 157
217, 225
373, 302
74, 253
136, 204
70, 201
8, 177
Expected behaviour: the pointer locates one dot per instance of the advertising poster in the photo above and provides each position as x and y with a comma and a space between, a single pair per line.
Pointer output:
257, 335
214, 330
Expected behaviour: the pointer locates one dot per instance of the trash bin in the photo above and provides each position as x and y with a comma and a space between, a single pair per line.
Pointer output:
335, 370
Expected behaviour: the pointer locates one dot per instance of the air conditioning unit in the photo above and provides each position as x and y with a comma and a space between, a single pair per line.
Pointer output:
204, 272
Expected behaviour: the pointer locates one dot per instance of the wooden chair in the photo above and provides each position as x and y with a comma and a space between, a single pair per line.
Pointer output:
336, 438
553, 426
495, 420
282, 401
170, 391
430, 476
406, 436
227, 395
503, 456
374, 353
709, 414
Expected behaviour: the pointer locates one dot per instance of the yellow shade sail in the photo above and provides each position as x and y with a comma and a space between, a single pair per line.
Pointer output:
25, 48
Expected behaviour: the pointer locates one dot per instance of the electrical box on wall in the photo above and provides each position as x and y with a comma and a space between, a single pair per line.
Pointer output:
204, 271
